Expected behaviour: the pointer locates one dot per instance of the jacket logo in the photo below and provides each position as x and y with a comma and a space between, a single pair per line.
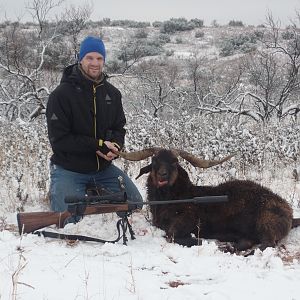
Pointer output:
54, 117
108, 99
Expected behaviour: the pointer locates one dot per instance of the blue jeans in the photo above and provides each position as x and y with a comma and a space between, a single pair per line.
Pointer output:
67, 183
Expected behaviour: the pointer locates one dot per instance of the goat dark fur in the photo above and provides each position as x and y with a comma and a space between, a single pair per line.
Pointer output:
253, 215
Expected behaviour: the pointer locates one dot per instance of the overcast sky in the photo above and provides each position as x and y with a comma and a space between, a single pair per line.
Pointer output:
251, 12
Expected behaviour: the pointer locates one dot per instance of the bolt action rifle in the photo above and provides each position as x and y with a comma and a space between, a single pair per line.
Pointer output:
31, 222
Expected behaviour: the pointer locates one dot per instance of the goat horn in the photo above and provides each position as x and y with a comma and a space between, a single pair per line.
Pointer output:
138, 155
202, 163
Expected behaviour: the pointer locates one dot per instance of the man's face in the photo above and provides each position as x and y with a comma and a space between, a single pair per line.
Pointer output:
92, 64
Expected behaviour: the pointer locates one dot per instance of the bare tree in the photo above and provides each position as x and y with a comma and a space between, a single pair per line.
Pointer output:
40, 9
155, 88
274, 72
196, 66
130, 53
22, 83
266, 85
201, 73
225, 93
74, 20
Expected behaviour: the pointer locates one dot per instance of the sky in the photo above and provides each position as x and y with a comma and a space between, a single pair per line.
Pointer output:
250, 12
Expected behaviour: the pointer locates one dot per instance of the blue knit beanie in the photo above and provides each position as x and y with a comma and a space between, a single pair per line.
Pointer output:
91, 44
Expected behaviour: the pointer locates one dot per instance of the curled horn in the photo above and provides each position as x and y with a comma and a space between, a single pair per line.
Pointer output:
202, 163
138, 155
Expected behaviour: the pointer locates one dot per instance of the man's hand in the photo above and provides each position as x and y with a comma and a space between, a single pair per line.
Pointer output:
110, 155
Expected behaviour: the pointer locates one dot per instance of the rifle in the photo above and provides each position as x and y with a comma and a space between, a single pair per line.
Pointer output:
30, 222
77, 207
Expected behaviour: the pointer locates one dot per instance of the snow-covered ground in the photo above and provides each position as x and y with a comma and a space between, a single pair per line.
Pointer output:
148, 267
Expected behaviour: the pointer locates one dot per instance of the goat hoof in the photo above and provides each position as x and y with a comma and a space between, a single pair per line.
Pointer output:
248, 253
226, 247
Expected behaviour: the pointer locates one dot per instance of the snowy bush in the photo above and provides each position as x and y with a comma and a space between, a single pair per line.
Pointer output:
164, 38
210, 138
287, 35
24, 156
25, 151
136, 49
178, 24
242, 43
199, 34
141, 34
234, 23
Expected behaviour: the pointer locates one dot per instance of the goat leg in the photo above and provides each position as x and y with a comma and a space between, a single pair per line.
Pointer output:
181, 228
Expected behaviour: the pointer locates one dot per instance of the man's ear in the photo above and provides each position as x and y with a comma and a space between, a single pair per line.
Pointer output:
144, 170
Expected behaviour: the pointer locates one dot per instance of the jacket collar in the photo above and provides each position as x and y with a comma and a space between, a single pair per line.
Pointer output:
73, 74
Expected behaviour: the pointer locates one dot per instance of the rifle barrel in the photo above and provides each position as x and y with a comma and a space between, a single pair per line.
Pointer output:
195, 200
121, 197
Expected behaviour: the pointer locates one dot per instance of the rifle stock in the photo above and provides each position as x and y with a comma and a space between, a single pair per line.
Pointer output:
32, 221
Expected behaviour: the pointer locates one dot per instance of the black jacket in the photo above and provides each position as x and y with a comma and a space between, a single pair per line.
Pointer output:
79, 113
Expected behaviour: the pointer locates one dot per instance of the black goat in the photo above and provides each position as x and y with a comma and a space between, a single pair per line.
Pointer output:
253, 215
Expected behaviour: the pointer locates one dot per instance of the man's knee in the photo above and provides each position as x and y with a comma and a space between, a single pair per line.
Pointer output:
62, 185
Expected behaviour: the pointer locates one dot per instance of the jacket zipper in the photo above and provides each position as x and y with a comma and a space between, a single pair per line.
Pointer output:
95, 119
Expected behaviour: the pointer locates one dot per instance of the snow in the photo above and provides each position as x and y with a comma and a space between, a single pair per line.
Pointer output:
149, 267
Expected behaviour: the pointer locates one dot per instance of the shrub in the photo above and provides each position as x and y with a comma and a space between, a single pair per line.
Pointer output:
287, 35
141, 34
114, 66
164, 38
258, 34
234, 23
169, 52
58, 55
243, 43
136, 49
179, 24
157, 24
197, 23
179, 40
199, 34
129, 23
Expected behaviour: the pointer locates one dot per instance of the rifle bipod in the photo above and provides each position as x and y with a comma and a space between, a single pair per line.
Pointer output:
122, 225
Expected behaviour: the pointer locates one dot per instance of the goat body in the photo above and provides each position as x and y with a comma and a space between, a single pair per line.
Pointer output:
253, 215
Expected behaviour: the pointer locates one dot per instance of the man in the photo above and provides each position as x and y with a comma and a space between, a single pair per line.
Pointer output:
86, 121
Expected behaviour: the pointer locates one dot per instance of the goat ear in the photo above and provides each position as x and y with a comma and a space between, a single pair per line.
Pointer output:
144, 170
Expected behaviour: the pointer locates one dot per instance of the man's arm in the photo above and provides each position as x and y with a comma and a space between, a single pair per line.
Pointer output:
59, 122
116, 136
